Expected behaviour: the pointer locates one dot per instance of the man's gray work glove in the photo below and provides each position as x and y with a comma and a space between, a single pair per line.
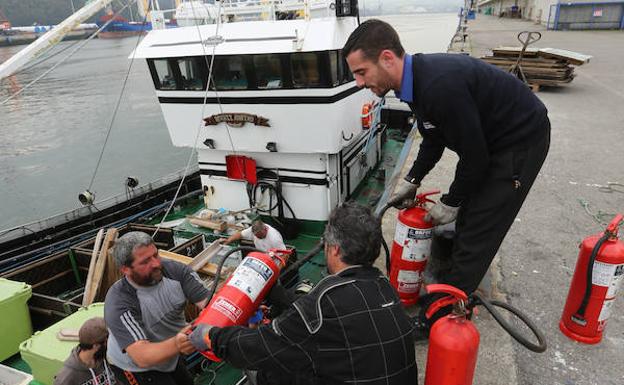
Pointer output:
200, 337
404, 196
441, 214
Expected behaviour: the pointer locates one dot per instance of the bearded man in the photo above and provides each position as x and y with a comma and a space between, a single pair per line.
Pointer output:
144, 312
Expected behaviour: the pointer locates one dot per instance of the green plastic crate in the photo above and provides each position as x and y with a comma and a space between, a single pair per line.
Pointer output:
45, 353
15, 325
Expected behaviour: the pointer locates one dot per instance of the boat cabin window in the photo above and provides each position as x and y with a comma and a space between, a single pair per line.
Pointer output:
333, 68
192, 73
228, 73
305, 69
344, 73
322, 69
268, 71
165, 76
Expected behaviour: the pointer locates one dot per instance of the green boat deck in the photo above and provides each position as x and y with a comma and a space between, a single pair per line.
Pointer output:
368, 193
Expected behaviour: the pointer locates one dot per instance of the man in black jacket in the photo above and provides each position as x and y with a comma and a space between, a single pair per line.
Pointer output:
350, 328
494, 123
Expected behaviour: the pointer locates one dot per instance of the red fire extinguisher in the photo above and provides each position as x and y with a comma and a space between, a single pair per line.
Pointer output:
453, 340
598, 275
243, 292
410, 250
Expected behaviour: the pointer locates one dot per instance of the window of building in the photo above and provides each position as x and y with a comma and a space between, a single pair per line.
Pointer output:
268, 71
193, 73
165, 76
229, 73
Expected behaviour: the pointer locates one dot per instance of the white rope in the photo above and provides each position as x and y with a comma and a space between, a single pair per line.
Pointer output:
201, 120
27, 86
114, 115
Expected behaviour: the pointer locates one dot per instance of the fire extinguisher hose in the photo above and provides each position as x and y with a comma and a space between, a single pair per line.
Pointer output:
491, 307
580, 313
383, 240
295, 266
220, 267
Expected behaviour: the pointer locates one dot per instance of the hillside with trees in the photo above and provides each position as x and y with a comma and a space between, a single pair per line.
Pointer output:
48, 12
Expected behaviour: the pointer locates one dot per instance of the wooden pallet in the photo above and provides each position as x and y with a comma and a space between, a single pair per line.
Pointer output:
541, 66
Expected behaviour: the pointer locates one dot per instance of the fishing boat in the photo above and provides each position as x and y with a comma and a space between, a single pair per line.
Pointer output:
119, 26
114, 25
281, 131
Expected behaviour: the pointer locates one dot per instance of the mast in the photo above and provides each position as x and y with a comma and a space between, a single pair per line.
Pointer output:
50, 38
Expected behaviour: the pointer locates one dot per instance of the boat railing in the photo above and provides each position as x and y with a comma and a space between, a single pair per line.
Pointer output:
272, 9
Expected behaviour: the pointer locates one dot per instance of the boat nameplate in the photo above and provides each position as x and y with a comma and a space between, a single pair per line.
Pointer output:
236, 119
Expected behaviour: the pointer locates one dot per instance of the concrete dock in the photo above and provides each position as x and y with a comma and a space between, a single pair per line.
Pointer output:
569, 199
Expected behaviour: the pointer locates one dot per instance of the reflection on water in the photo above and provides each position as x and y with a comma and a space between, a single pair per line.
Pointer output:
51, 135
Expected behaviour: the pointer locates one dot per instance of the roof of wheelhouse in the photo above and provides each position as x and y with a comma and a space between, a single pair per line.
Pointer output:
248, 37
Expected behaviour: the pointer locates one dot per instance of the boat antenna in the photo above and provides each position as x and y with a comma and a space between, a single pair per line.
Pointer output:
201, 120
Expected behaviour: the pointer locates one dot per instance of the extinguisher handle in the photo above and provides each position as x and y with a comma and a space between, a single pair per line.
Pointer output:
421, 198
612, 228
281, 255
439, 304
454, 295
458, 294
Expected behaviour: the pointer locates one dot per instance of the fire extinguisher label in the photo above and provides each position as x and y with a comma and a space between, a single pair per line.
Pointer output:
400, 233
416, 250
616, 282
608, 275
605, 312
409, 281
250, 277
227, 308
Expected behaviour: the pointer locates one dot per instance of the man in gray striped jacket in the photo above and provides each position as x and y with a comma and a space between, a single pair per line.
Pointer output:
144, 312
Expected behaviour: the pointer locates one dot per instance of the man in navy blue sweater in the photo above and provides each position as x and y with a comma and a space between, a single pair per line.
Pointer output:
494, 123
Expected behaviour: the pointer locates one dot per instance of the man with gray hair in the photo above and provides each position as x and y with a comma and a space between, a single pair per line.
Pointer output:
144, 312
350, 328
265, 236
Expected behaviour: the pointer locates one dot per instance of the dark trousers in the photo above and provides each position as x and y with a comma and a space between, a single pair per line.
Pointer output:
484, 219
180, 376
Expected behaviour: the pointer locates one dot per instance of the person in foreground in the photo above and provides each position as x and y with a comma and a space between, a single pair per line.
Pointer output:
496, 125
86, 364
350, 328
144, 312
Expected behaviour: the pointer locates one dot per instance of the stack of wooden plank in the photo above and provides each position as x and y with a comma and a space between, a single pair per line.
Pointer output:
541, 66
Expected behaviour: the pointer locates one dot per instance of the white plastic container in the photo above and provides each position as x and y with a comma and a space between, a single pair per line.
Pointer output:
10, 376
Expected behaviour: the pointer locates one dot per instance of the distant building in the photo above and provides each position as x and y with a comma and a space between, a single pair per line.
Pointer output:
560, 15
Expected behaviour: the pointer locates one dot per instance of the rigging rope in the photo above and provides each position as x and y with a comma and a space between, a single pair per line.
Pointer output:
114, 115
46, 58
27, 86
201, 118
